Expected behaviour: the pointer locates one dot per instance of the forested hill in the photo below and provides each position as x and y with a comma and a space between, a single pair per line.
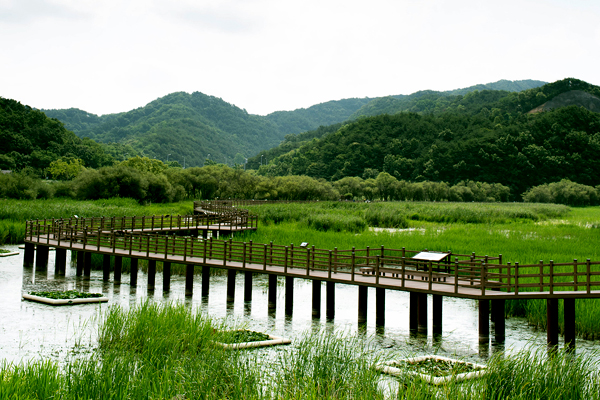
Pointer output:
430, 101
180, 127
190, 127
483, 139
30, 140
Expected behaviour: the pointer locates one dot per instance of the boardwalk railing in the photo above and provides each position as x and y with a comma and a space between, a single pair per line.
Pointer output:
230, 221
387, 267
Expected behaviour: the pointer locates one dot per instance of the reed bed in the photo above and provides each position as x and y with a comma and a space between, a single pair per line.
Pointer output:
14, 213
167, 351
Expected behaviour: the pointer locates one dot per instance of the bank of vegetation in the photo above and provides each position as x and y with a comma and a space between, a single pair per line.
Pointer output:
168, 352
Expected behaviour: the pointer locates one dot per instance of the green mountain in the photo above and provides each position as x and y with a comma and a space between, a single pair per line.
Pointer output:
481, 138
181, 127
430, 101
32, 140
189, 127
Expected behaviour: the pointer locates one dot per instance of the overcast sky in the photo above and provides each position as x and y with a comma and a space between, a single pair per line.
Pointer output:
108, 56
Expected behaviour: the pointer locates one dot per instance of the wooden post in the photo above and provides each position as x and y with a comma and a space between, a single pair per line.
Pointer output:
106, 267
133, 274
499, 320
330, 301
316, 298
438, 301
29, 256
118, 268
247, 285
231, 273
552, 323
205, 280
422, 313
363, 292
87, 264
41, 259
569, 319
413, 320
189, 279
152, 274
80, 261
289, 294
380, 306
60, 261
166, 274
272, 302
484, 321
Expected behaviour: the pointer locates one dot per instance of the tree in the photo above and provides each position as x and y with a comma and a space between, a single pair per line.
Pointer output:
65, 168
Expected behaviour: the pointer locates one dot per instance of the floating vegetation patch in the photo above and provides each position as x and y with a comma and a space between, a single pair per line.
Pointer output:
66, 295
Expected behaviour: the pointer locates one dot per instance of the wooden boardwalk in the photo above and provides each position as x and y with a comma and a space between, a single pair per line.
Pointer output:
420, 272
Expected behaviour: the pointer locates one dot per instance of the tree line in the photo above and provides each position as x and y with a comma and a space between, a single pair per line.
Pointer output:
152, 181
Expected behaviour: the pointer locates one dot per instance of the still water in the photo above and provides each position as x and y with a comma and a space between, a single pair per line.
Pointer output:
31, 330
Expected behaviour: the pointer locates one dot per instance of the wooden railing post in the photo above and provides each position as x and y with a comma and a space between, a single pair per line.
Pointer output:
483, 277
307, 262
551, 277
430, 274
329, 264
285, 260
516, 278
588, 276
541, 276
185, 242
353, 263
265, 258
377, 270
456, 266
575, 286
224, 252
403, 279
244, 256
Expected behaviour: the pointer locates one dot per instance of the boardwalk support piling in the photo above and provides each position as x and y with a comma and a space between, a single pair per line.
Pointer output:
151, 275
272, 303
106, 267
552, 322
330, 301
205, 280
289, 295
316, 298
247, 285
422, 312
380, 306
231, 273
189, 279
569, 315
80, 262
87, 264
60, 262
166, 274
133, 274
438, 301
499, 320
413, 320
29, 255
484, 321
118, 268
363, 292
41, 259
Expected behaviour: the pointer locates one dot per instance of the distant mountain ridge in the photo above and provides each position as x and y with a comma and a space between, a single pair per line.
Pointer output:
189, 128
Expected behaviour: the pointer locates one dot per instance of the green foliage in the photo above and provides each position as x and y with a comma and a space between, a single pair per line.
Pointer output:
563, 192
32, 140
65, 168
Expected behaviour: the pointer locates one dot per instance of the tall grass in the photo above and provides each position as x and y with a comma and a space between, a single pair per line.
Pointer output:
167, 352
323, 365
14, 213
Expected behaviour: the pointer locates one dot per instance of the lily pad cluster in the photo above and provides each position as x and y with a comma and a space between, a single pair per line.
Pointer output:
65, 295
2, 251
437, 368
243, 336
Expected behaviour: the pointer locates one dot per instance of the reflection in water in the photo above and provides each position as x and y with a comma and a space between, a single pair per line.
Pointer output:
26, 324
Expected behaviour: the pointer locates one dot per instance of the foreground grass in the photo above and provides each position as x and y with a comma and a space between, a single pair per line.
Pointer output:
166, 352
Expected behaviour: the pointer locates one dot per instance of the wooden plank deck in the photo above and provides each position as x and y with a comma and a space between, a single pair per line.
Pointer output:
467, 288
